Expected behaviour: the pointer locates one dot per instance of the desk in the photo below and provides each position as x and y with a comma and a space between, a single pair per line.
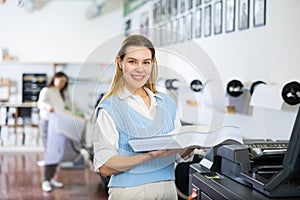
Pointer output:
223, 188
21, 110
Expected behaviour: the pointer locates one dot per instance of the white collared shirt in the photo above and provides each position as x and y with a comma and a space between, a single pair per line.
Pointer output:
50, 97
106, 136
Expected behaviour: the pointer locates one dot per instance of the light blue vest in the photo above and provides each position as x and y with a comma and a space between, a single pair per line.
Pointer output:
131, 124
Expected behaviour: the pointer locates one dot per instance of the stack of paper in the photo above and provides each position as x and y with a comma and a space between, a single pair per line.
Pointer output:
188, 136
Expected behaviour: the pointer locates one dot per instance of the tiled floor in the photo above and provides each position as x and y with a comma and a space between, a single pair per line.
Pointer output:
20, 178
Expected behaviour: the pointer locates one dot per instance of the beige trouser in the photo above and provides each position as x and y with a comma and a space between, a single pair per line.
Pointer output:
164, 190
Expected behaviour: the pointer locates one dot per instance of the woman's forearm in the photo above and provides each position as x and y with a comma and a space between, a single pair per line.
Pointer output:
118, 163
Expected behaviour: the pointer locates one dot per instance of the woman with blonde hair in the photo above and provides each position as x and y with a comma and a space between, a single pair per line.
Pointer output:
133, 108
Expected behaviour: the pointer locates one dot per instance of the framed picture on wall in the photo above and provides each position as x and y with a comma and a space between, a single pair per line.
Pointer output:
154, 13
181, 25
243, 14
207, 21
175, 31
198, 2
163, 9
164, 34
144, 24
127, 27
218, 17
198, 22
169, 32
182, 6
259, 13
229, 15
169, 8
190, 4
174, 6
161, 35
189, 26
158, 11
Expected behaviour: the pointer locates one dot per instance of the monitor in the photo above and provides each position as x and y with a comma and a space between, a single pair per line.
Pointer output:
290, 174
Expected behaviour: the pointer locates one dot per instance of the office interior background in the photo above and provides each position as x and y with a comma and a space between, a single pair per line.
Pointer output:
62, 35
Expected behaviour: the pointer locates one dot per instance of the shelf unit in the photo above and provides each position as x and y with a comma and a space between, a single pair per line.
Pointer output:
18, 112
32, 85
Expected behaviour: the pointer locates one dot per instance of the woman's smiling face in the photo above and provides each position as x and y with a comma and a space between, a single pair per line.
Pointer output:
136, 67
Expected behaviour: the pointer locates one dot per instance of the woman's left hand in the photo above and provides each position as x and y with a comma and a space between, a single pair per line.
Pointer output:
164, 153
187, 153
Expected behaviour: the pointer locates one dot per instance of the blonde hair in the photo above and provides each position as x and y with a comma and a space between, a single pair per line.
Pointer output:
137, 41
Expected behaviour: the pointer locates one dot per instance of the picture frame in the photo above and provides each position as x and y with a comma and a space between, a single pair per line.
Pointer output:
218, 17
158, 11
175, 31
128, 27
163, 9
198, 22
190, 4
167, 9
181, 25
229, 16
174, 7
259, 13
144, 24
154, 13
182, 6
243, 14
207, 21
189, 26
198, 2
154, 35
163, 29
160, 35
169, 32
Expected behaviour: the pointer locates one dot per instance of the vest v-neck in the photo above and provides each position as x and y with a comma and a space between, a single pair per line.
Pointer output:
148, 109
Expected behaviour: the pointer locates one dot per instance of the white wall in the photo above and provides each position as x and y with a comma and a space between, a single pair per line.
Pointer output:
270, 52
14, 73
58, 32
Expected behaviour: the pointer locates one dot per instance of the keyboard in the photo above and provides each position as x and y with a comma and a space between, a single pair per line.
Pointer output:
268, 145
259, 148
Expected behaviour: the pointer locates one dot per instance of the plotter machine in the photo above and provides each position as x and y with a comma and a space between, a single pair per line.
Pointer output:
258, 169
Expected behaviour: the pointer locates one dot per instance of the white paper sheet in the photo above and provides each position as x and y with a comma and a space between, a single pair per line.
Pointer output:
70, 125
188, 136
267, 96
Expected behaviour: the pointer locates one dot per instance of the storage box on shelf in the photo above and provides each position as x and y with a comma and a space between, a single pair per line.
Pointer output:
4, 89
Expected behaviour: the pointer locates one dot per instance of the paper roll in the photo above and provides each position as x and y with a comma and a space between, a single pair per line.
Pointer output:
267, 96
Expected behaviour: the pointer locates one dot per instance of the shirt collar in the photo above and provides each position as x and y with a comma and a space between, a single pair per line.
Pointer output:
123, 94
54, 88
